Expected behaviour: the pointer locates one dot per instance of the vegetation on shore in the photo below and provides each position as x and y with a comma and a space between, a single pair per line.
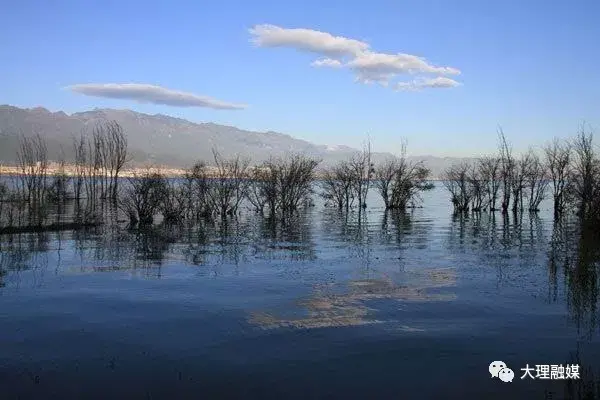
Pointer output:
278, 188
568, 169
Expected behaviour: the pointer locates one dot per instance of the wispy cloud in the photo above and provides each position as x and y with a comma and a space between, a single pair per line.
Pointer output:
368, 65
306, 39
327, 62
144, 93
424, 83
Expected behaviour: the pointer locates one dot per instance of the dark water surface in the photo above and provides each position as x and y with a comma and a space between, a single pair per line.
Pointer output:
411, 305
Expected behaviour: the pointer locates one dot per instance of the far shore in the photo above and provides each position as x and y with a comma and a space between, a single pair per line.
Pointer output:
55, 169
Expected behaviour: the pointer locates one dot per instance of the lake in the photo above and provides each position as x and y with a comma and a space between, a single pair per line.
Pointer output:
411, 305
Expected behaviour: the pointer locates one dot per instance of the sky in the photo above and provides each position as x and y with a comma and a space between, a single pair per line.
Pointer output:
442, 75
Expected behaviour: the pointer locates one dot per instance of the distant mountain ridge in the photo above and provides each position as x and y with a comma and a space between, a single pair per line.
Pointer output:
166, 140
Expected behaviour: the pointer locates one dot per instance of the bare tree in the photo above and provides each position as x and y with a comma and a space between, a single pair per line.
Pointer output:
196, 183
491, 178
507, 166
410, 180
173, 201
142, 197
80, 154
92, 174
296, 175
361, 170
116, 156
262, 191
59, 189
33, 162
100, 157
518, 180
536, 181
282, 184
477, 186
456, 180
228, 187
4, 194
385, 174
558, 161
337, 185
586, 174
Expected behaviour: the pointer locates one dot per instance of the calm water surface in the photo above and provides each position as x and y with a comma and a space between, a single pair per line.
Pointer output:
400, 305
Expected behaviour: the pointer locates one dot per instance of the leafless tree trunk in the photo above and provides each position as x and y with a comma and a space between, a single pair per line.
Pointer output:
142, 197
80, 153
362, 171
116, 141
338, 185
536, 181
507, 166
90, 155
558, 161
519, 176
586, 178
228, 188
263, 188
477, 187
410, 179
295, 175
456, 180
385, 175
33, 162
491, 177
173, 201
196, 186
59, 190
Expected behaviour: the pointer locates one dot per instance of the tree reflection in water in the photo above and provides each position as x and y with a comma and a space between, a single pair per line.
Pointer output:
574, 256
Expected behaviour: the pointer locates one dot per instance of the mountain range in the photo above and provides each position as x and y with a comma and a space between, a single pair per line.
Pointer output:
165, 140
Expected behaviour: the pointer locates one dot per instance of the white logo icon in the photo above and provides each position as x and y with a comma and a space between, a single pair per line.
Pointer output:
495, 368
506, 375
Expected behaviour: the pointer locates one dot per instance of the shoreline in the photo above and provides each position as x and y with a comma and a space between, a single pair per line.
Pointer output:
168, 172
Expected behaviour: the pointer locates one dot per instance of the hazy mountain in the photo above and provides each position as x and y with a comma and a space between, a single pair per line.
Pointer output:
165, 140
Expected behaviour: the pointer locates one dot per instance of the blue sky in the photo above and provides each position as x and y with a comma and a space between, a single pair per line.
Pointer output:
530, 66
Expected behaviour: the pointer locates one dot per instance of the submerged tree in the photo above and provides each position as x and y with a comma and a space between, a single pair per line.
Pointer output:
385, 174
411, 179
490, 173
295, 177
361, 170
337, 185
477, 186
195, 186
519, 176
456, 179
536, 181
173, 201
32, 159
282, 184
110, 146
59, 189
507, 167
558, 161
228, 186
585, 181
142, 198
80, 162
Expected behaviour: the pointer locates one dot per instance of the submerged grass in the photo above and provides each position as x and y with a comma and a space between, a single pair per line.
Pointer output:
325, 310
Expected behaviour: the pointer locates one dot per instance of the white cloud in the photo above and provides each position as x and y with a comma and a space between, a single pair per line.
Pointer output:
424, 83
306, 39
386, 65
327, 62
368, 66
144, 93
